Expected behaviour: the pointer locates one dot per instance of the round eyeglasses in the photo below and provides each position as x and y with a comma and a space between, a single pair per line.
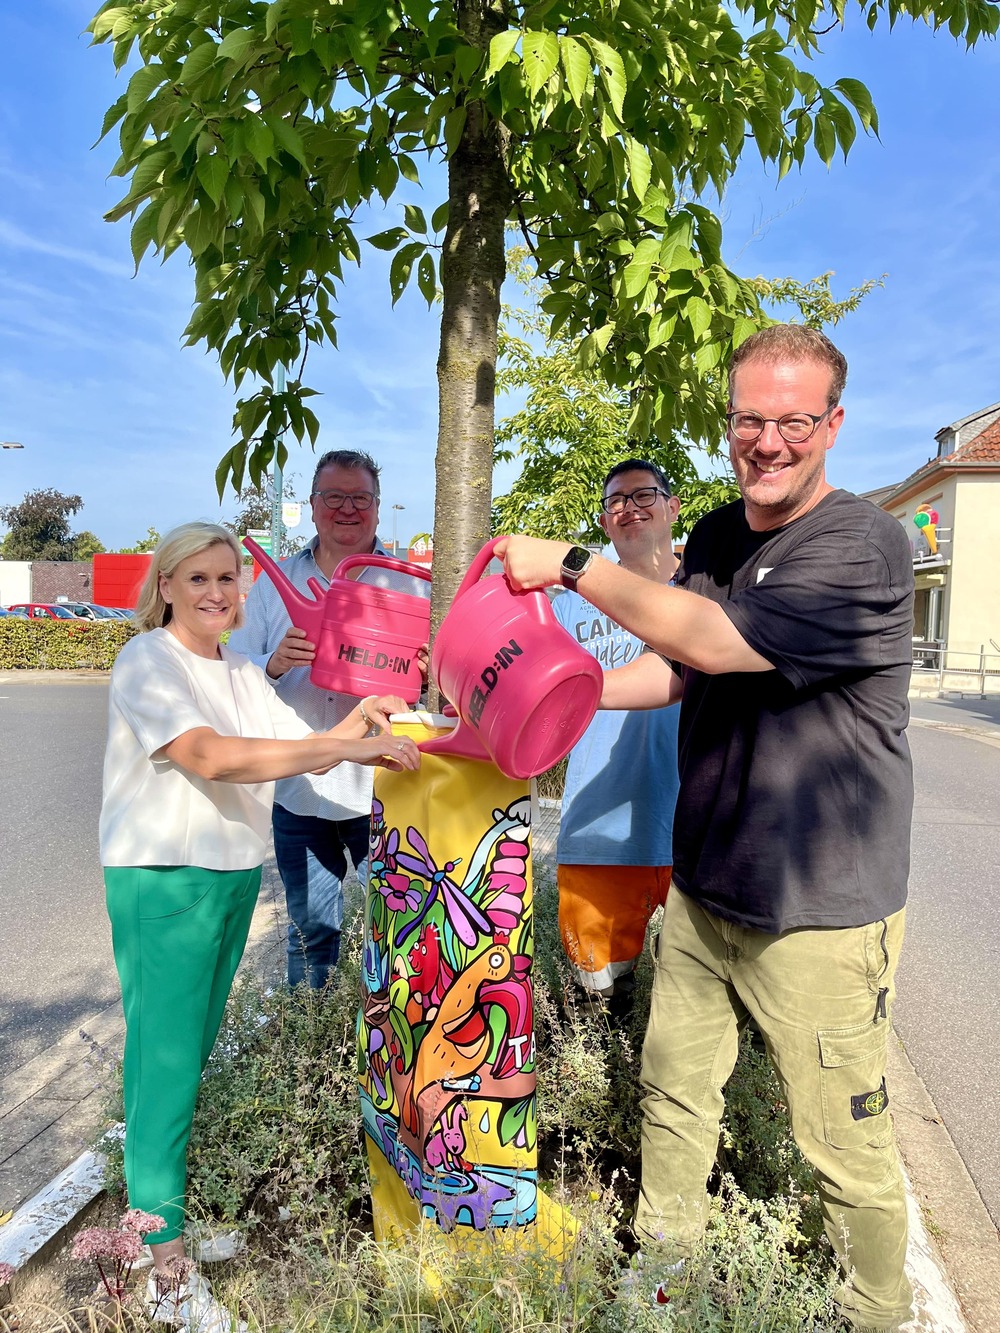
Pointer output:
644, 498
361, 500
793, 427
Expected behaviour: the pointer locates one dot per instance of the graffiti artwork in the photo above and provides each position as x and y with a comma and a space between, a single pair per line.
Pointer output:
446, 1051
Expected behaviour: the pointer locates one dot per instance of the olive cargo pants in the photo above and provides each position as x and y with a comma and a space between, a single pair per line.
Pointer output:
820, 999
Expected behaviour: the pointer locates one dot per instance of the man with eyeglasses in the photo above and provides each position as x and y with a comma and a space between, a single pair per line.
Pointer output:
788, 641
319, 820
614, 850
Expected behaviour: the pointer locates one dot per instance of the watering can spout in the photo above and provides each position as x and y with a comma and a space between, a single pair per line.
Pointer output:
305, 613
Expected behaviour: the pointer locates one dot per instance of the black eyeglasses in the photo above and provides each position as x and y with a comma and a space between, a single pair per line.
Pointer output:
644, 498
361, 500
793, 427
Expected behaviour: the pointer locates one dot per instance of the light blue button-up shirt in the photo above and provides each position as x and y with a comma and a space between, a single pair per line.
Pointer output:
345, 791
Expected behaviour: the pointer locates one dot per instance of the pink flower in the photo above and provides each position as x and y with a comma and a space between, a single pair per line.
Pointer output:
143, 1224
121, 1247
7, 1271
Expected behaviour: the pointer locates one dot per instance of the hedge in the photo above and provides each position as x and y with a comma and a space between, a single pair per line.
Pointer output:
61, 645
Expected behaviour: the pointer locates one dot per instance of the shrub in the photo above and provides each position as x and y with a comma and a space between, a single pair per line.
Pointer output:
61, 645
277, 1140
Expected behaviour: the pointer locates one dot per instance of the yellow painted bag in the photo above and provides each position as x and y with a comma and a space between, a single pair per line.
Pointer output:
446, 1051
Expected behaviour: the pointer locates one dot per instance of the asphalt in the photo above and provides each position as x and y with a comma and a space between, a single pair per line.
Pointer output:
51, 1108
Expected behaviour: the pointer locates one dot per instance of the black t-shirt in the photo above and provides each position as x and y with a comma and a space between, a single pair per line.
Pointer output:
796, 785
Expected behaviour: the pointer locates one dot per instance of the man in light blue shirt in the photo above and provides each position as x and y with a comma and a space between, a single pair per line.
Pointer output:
319, 819
614, 851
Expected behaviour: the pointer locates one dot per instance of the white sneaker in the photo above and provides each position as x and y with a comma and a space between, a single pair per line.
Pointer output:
190, 1306
204, 1246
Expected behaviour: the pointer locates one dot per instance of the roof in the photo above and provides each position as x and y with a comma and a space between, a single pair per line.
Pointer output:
981, 452
956, 426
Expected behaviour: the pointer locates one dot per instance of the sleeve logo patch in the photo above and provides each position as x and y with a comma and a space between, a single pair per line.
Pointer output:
867, 1104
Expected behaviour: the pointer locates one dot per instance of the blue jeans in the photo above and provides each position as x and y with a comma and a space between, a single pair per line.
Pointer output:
312, 861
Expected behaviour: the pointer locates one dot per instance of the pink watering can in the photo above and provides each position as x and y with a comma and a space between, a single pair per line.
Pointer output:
366, 637
524, 689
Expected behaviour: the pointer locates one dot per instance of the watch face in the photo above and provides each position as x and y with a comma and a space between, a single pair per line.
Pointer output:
576, 559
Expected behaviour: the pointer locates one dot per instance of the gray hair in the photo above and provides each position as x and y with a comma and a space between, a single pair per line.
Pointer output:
349, 458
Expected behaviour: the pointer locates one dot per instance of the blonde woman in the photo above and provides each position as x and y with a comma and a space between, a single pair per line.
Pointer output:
196, 739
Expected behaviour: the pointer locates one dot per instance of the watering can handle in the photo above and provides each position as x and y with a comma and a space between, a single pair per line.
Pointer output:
475, 571
380, 562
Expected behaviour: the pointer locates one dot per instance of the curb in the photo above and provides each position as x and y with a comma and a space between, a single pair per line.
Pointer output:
944, 1199
40, 1222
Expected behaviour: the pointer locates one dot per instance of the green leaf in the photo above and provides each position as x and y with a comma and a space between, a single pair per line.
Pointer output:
439, 218
502, 49
612, 70
238, 45
698, 315
742, 329
860, 98
540, 56
576, 67
142, 83
638, 268
824, 137
286, 137
259, 139
640, 168
197, 61
426, 280
414, 219
387, 240
143, 231
594, 345
402, 266
213, 172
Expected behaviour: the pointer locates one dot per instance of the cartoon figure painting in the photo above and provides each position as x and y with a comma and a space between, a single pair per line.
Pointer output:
446, 1053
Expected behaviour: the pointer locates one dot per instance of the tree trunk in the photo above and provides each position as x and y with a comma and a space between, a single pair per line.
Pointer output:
472, 273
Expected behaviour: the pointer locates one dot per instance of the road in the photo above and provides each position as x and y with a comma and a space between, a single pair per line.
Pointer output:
56, 966
948, 1006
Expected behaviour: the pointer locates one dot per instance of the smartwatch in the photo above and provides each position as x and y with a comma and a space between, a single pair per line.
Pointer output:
575, 562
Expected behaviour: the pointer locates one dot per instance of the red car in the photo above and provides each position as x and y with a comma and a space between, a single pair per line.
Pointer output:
41, 611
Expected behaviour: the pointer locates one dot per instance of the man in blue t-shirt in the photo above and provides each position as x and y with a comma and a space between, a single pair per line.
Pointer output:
614, 849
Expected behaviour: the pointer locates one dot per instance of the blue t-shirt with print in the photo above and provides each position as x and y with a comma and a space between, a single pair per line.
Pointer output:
621, 784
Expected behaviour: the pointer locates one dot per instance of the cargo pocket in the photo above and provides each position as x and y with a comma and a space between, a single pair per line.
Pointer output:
852, 1074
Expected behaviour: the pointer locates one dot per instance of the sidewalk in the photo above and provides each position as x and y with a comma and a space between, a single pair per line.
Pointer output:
50, 1109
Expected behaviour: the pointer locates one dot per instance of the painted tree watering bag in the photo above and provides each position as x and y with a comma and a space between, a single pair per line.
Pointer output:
446, 1048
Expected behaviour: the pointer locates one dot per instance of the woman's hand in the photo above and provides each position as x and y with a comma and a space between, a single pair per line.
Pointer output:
380, 707
385, 751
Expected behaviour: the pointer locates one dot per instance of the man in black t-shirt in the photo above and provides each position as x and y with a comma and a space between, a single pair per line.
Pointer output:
788, 641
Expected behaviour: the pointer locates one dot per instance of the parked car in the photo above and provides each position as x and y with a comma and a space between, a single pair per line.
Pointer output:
91, 611
42, 611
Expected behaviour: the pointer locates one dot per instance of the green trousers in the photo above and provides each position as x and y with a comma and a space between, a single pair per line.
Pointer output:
820, 999
178, 934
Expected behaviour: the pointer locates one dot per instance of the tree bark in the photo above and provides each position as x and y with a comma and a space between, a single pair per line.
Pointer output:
472, 273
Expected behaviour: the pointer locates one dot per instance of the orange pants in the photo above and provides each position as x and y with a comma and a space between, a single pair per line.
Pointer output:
603, 915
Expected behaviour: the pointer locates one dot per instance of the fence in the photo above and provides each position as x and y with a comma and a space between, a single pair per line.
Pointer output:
945, 670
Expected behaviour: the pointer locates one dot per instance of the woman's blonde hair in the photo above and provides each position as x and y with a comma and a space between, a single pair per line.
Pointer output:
151, 611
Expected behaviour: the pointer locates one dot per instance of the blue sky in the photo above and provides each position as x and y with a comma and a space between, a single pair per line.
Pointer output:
108, 405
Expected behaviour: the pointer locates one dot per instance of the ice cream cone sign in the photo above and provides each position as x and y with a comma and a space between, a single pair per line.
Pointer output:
927, 520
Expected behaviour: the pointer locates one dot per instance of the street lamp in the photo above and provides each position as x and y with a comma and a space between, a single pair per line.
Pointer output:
394, 508
10, 444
